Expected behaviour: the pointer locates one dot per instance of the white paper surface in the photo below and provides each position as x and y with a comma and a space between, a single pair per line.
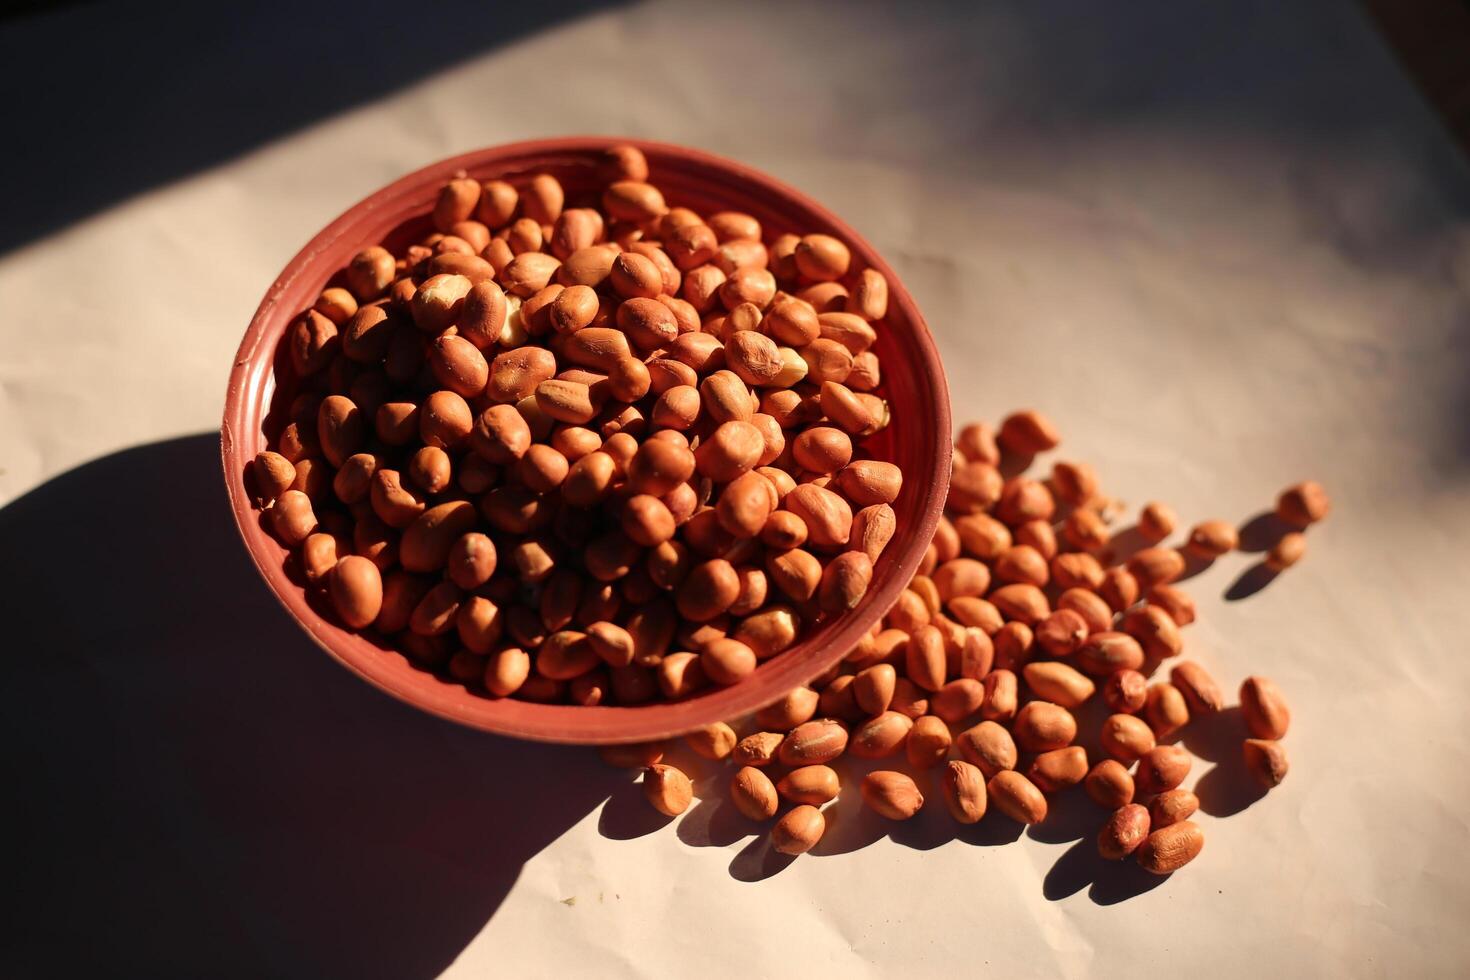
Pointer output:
1223, 255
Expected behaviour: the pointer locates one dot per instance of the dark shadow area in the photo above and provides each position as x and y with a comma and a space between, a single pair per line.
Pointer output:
153, 92
1249, 582
1123, 545
201, 789
1193, 565
1108, 882
1261, 532
1227, 787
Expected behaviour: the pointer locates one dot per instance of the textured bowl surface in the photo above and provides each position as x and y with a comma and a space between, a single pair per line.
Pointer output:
918, 439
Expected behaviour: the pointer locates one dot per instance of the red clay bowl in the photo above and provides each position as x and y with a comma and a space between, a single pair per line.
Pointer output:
918, 439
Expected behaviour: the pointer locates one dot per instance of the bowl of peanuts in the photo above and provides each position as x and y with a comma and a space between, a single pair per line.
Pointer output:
587, 440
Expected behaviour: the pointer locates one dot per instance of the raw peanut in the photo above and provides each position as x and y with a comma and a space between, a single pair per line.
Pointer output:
1165, 709
1119, 588
336, 304
961, 577
988, 746
821, 257
1023, 500
1024, 603
872, 529
479, 624
924, 658
357, 591
753, 794
977, 654
976, 443
680, 674
827, 516
880, 737
909, 613
823, 449
1107, 652
769, 631
1027, 433
1286, 552
429, 468
1058, 683
1076, 483
812, 785
1057, 769
1166, 851
795, 708
869, 298
1156, 566
1090, 606
659, 466
1062, 634
565, 654
754, 357
999, 703
710, 588
1126, 737
1211, 539
866, 482
613, 644
1200, 691
426, 543
506, 670
799, 830
891, 794
319, 555
1265, 760
370, 272
813, 743
840, 404
667, 789
726, 661
836, 700
964, 792
1085, 529
1022, 563
844, 582
724, 397
928, 742
908, 699
1162, 768
973, 488
758, 749
1303, 504
274, 475
1156, 521
517, 373
849, 330
1041, 726
1109, 784
445, 420
292, 517
796, 573
1155, 630
959, 699
436, 611
340, 428
1170, 807
1126, 691
1124, 832
980, 614
872, 688
1017, 797
731, 450
714, 741
1013, 643
1264, 709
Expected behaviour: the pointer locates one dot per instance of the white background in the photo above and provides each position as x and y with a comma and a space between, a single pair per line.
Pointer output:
1225, 248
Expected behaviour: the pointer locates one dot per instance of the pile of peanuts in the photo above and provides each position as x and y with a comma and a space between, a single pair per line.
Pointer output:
655, 415
1018, 617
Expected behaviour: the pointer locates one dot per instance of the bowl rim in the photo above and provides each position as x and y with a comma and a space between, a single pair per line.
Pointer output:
570, 724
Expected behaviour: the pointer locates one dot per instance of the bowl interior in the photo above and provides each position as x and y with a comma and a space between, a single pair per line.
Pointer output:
917, 440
